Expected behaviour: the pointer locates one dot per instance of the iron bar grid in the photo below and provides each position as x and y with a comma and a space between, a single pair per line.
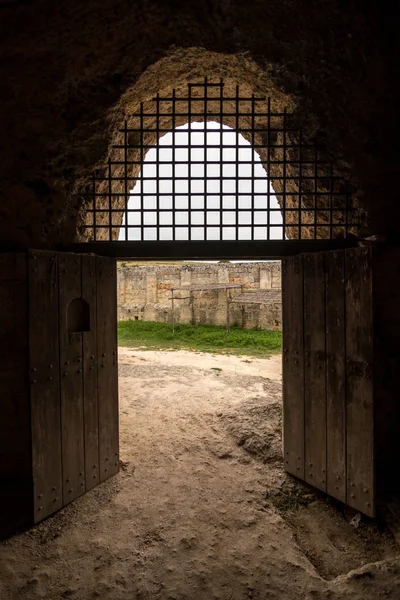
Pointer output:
232, 168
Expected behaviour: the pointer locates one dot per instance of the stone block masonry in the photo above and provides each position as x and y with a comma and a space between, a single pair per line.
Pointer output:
144, 293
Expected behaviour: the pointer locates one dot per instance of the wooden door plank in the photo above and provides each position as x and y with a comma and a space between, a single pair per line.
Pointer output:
314, 370
335, 375
293, 365
359, 381
44, 383
91, 416
107, 367
73, 457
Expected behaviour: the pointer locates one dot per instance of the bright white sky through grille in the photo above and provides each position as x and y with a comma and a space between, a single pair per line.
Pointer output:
215, 204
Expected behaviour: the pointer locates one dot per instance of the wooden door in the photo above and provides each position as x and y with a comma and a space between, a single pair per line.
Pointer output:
328, 429
73, 376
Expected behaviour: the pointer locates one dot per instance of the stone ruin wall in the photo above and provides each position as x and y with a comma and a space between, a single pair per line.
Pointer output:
144, 294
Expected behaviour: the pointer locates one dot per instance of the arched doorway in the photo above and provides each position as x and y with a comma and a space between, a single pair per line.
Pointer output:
235, 220
209, 174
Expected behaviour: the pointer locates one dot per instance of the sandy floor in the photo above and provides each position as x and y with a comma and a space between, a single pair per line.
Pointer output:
193, 514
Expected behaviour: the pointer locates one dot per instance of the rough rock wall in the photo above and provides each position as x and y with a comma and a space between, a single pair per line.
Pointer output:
144, 294
71, 70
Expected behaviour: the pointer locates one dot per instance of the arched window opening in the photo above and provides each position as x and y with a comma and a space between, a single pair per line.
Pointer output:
203, 181
212, 165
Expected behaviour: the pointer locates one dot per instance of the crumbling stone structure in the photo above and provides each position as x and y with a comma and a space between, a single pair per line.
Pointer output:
144, 294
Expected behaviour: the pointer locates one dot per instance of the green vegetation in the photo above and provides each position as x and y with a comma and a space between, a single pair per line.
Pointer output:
204, 338
291, 498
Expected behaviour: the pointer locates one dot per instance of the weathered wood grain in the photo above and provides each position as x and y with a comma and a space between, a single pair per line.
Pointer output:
293, 366
72, 417
107, 367
314, 370
359, 381
335, 375
91, 414
44, 383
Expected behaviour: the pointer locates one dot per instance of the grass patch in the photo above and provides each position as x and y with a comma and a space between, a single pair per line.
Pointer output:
205, 338
291, 498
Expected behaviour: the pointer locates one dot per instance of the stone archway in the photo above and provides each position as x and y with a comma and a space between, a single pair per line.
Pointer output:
316, 203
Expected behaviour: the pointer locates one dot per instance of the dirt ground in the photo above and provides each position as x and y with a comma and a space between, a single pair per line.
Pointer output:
201, 509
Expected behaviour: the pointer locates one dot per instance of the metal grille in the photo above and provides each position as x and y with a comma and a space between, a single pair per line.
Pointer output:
233, 168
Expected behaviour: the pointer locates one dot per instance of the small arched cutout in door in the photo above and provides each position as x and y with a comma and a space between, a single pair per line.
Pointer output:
78, 316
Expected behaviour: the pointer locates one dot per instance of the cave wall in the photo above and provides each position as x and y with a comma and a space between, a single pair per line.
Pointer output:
71, 71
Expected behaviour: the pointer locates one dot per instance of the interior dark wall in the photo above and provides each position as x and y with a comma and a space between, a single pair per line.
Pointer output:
70, 70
